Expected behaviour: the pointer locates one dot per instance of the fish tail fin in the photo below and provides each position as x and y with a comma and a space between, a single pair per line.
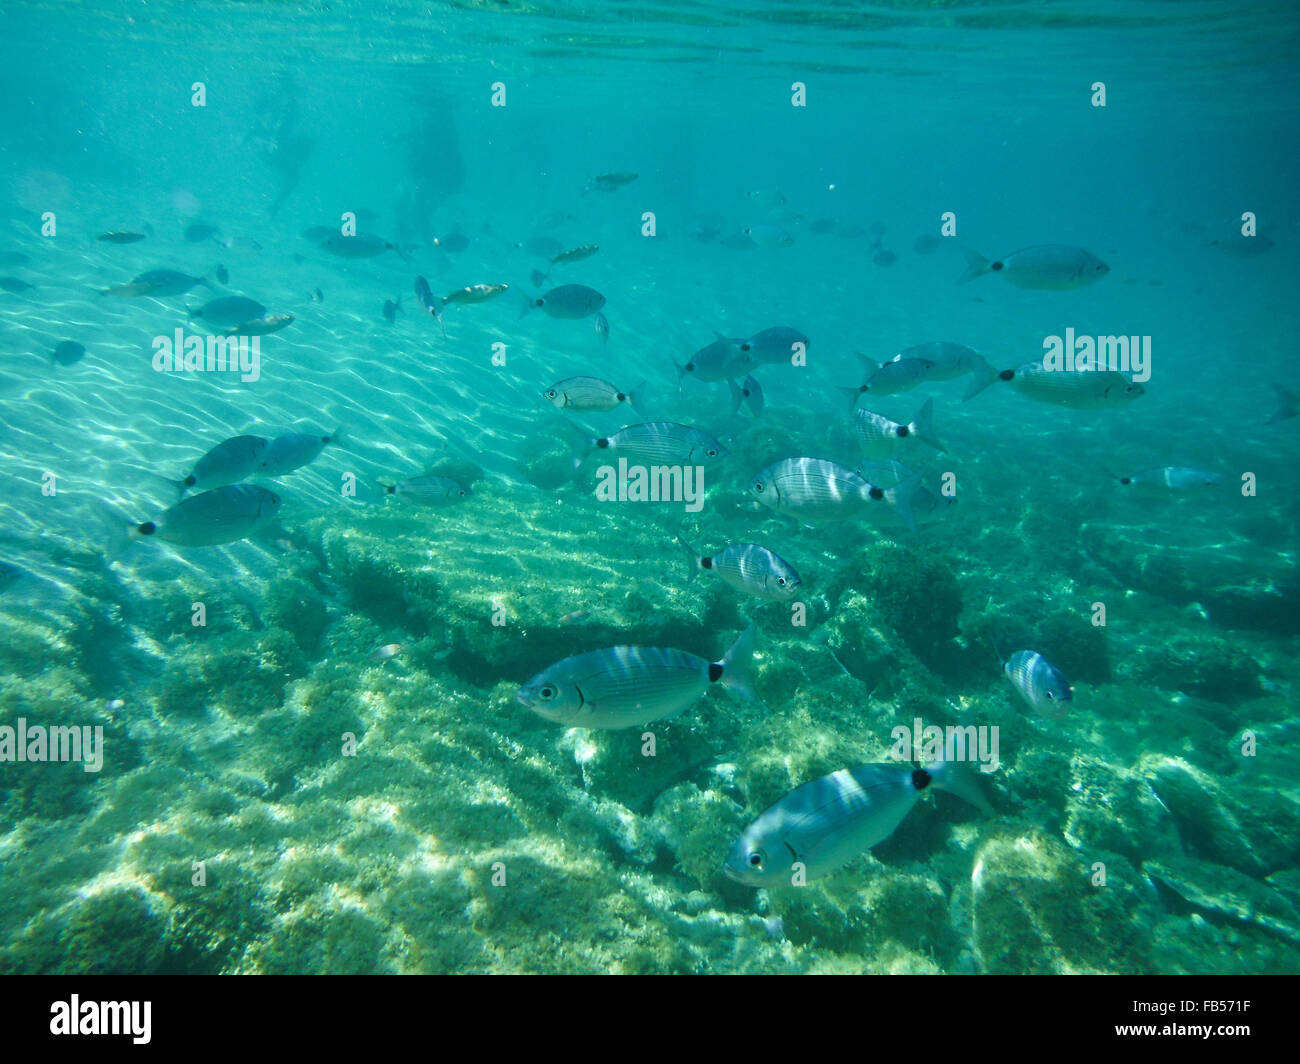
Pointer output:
853, 395
976, 265
1288, 404
538, 278
900, 497
681, 371
692, 559
580, 444
923, 425
953, 777
869, 365
981, 378
738, 665
737, 396
336, 437
602, 326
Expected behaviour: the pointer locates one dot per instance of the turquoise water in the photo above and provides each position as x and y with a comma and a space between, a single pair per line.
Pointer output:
279, 794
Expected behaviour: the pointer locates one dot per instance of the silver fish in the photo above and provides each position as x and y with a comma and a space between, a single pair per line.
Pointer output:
1047, 266
294, 450
229, 312
748, 391
156, 283
263, 326
901, 375
475, 293
880, 436
360, 246
590, 393
429, 303
828, 822
769, 236
721, 360
430, 490
624, 686
775, 345
749, 568
223, 515
454, 242
951, 361
610, 182
1077, 389
815, 489
660, 443
572, 301
1040, 683
1170, 479
228, 462
575, 254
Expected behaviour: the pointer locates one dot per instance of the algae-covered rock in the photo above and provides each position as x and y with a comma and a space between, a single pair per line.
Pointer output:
1255, 830
114, 932
1035, 912
1224, 892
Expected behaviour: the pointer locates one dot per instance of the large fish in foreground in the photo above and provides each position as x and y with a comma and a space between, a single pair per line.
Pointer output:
1077, 389
1047, 266
828, 822
621, 687
212, 518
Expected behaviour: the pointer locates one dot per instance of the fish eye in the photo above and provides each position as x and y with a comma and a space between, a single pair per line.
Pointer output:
275, 500
758, 485
781, 580
1050, 697
547, 692
550, 393
711, 452
756, 860
461, 492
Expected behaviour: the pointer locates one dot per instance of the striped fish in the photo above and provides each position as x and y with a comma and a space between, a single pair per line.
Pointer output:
815, 489
826, 823
1040, 683
1078, 389
749, 568
621, 687
660, 443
